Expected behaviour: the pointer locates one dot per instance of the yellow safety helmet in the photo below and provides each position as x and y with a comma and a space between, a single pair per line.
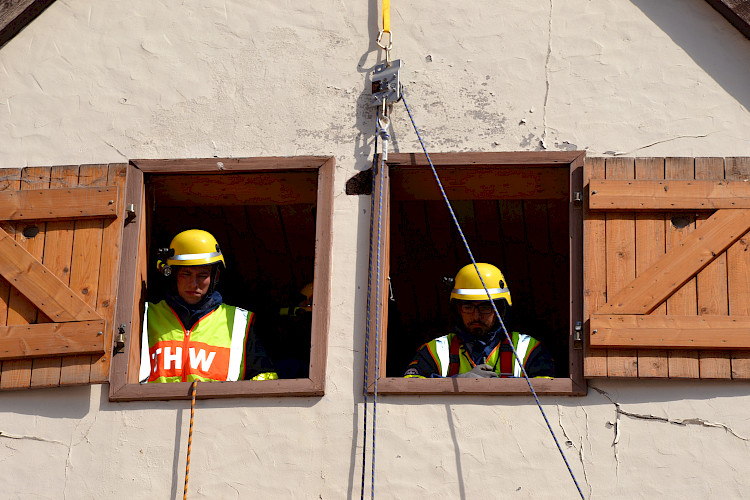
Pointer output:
468, 286
193, 247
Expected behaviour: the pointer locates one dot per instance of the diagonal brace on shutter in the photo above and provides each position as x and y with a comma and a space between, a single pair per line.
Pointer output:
40, 285
676, 267
69, 203
52, 339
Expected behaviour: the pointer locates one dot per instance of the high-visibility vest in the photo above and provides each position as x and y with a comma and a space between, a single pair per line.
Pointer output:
213, 349
451, 356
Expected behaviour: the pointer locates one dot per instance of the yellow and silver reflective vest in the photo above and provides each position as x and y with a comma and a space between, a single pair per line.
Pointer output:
212, 350
450, 357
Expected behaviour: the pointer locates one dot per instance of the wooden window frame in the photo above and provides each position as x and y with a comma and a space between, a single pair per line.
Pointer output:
124, 368
574, 384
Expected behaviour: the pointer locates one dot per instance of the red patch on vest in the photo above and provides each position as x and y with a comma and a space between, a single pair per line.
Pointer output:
175, 358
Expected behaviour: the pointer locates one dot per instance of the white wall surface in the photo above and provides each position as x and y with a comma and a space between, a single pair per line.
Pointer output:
106, 81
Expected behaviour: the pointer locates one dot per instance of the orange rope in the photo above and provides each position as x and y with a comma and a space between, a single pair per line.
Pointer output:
190, 438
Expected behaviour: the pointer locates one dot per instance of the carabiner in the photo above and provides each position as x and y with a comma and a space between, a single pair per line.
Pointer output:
380, 40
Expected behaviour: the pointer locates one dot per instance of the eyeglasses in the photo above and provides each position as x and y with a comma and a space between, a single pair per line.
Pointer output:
470, 308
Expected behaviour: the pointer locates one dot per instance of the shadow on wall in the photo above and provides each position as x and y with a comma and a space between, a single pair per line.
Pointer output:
709, 39
56, 402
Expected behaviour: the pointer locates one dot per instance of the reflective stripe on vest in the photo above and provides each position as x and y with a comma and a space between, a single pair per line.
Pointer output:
443, 354
212, 350
521, 348
237, 348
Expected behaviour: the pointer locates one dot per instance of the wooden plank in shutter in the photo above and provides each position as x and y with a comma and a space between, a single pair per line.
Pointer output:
671, 331
594, 269
665, 195
620, 244
42, 204
10, 179
16, 374
46, 339
84, 274
650, 246
109, 273
711, 282
684, 300
45, 372
738, 270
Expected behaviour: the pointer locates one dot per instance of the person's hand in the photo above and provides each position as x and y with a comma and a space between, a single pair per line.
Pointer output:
479, 371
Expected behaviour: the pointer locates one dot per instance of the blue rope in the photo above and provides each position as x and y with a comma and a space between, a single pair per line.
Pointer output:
497, 314
367, 322
377, 315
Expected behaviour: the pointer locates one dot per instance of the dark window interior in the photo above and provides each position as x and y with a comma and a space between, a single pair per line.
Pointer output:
265, 225
516, 219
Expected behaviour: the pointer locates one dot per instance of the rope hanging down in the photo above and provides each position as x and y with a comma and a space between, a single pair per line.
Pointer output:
385, 92
367, 340
494, 308
194, 388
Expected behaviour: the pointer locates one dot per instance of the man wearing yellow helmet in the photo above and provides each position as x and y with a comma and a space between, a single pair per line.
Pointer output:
192, 334
478, 348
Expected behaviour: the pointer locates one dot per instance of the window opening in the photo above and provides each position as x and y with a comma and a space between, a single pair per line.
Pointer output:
273, 227
518, 213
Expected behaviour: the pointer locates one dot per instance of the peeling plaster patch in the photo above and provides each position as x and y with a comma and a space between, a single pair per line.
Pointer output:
480, 104
530, 141
566, 146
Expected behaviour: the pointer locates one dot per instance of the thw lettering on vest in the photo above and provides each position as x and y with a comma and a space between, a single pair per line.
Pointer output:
174, 358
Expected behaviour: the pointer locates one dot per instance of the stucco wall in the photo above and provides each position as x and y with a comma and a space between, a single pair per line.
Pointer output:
105, 81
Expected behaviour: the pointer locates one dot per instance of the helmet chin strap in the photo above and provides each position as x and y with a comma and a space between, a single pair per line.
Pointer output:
215, 272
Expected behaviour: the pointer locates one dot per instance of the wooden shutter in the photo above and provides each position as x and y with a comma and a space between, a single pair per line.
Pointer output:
667, 267
60, 236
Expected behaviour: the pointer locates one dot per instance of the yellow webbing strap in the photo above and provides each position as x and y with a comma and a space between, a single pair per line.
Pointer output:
386, 16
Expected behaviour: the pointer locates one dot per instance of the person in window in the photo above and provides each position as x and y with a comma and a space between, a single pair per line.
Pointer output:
192, 334
477, 347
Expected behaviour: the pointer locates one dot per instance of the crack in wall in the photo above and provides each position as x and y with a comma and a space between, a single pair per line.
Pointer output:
569, 443
657, 143
683, 422
84, 437
543, 142
30, 438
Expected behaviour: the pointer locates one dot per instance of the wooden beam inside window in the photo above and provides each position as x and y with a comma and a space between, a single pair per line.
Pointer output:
277, 188
477, 183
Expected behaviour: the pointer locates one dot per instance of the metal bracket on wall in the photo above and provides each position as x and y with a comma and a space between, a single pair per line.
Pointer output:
385, 83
